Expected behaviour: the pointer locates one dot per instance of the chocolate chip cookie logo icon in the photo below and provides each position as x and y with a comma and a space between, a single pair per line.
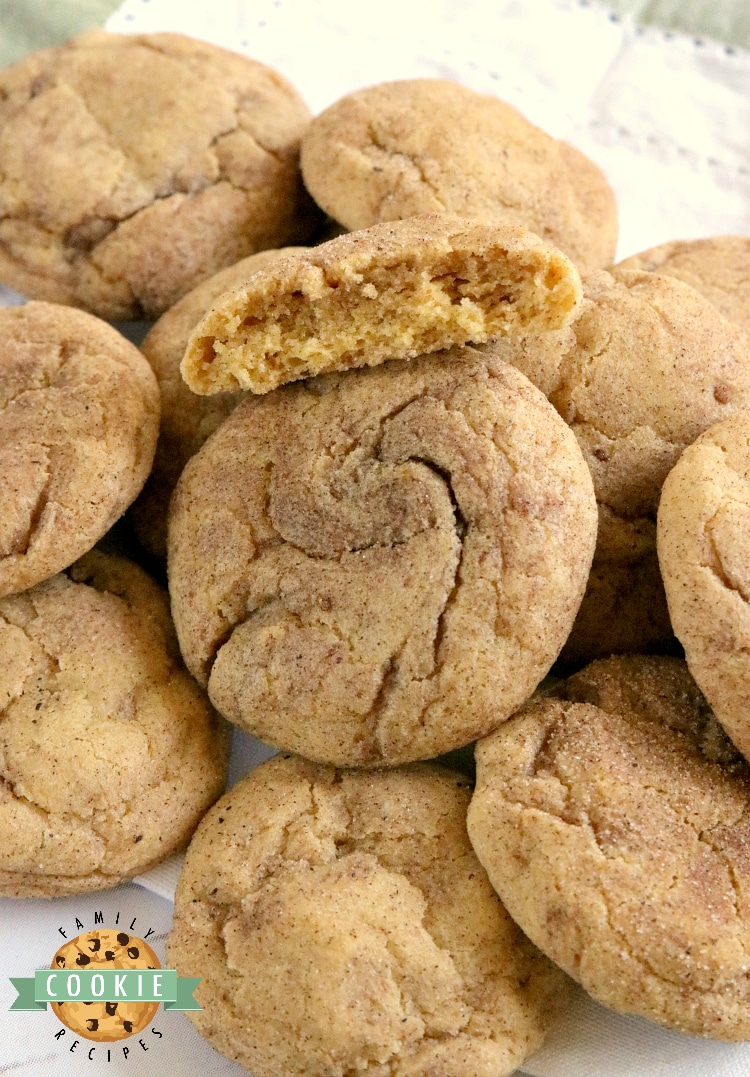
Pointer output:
105, 985
112, 1020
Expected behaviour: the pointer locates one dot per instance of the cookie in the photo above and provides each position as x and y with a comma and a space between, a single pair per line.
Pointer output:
718, 268
624, 610
645, 369
380, 565
393, 291
105, 948
135, 166
397, 149
109, 752
703, 534
78, 429
186, 418
614, 823
341, 924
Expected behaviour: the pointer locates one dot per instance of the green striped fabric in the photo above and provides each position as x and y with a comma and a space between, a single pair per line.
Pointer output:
724, 20
32, 24
26, 25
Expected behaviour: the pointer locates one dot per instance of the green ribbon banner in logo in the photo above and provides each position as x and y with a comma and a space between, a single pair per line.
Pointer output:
105, 985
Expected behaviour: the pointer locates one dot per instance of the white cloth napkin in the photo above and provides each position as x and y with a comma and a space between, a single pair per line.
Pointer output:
668, 119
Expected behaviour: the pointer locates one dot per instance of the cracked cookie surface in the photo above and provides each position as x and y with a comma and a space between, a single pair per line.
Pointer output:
717, 267
393, 291
109, 752
136, 166
613, 819
429, 145
647, 367
703, 534
78, 428
186, 418
342, 925
377, 566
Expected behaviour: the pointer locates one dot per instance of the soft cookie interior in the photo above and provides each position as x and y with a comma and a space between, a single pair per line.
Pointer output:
391, 291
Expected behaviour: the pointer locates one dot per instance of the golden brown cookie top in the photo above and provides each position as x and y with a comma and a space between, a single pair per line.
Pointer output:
596, 201
135, 166
398, 149
651, 367
109, 752
393, 291
186, 418
703, 540
79, 420
613, 818
341, 922
647, 367
374, 566
717, 267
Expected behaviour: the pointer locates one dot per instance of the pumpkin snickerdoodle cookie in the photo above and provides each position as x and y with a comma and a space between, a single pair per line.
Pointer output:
79, 420
703, 537
186, 418
380, 565
393, 291
398, 149
717, 267
613, 819
135, 166
109, 751
647, 367
341, 924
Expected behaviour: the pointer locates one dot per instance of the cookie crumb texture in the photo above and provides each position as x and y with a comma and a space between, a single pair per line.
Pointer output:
186, 418
380, 565
341, 924
136, 166
109, 752
393, 291
78, 430
431, 145
614, 822
703, 535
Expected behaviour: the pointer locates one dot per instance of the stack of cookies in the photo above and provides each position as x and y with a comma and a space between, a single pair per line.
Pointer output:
110, 751
117, 195
398, 476
372, 567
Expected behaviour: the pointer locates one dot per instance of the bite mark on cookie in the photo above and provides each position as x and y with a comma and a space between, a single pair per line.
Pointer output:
393, 291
